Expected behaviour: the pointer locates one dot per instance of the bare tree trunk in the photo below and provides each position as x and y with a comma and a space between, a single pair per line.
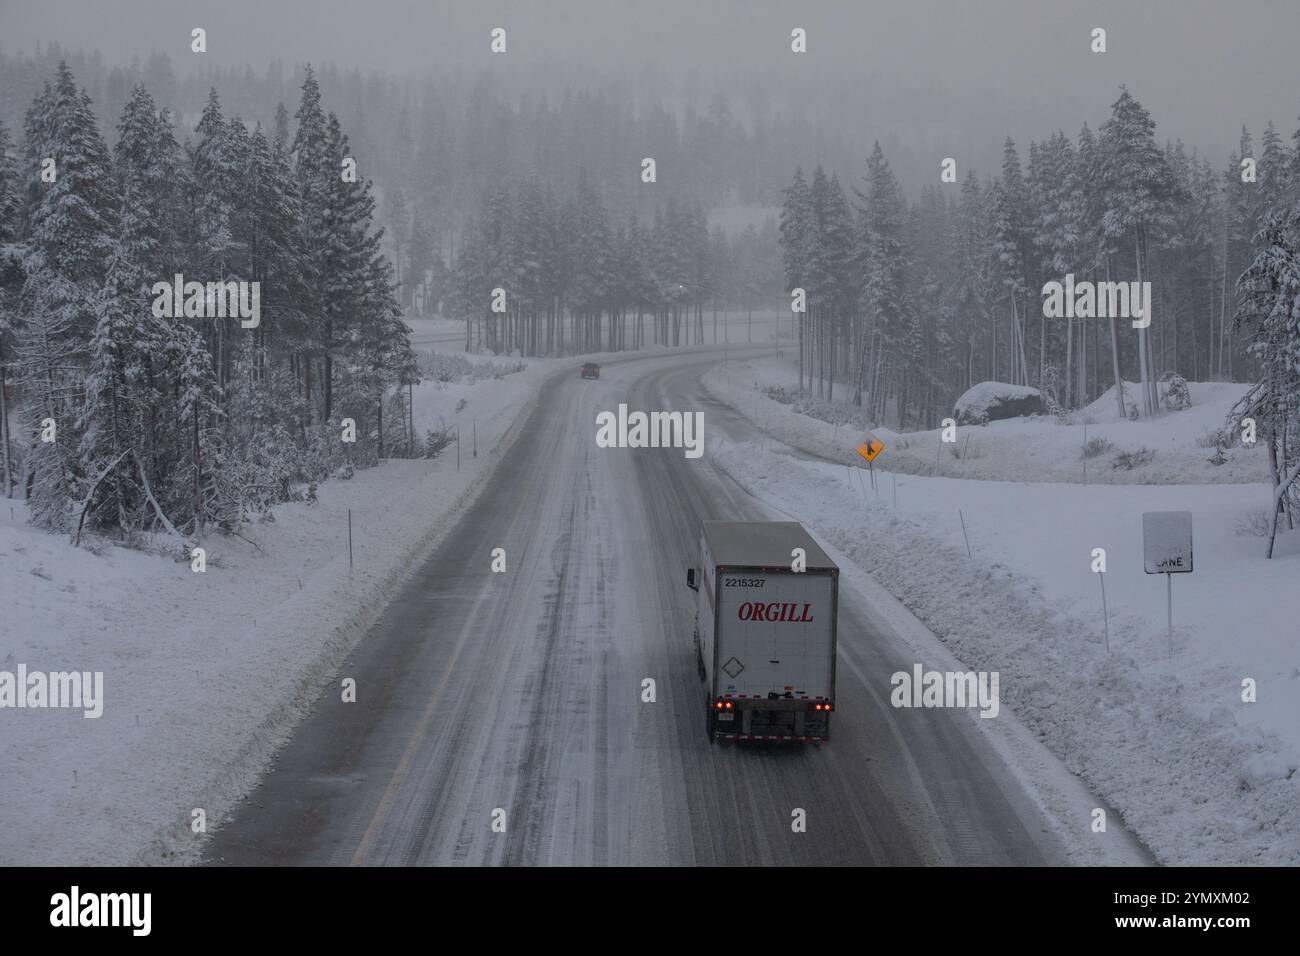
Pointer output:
1144, 344
1216, 341
4, 427
1069, 363
830, 388
198, 485
1081, 389
1114, 358
993, 350
1278, 493
800, 319
1042, 345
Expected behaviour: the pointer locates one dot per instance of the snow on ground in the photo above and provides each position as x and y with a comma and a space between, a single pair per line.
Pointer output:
206, 674
1199, 775
1031, 449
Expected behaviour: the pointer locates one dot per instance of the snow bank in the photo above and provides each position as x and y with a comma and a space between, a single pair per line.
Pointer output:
1041, 448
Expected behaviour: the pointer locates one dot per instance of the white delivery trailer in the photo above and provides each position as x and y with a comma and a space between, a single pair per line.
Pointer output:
764, 631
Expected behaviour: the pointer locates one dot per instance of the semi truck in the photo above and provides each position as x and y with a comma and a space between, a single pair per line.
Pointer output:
765, 626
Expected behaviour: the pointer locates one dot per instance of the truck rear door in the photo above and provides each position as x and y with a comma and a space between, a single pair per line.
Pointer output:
776, 634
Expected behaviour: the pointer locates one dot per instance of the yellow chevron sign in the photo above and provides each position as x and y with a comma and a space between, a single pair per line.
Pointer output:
871, 447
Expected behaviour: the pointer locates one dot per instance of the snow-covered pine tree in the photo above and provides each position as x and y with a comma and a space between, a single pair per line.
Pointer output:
1274, 167
123, 412
528, 253
1269, 315
1137, 186
70, 236
11, 281
1056, 215
883, 254
312, 174
835, 258
591, 266
796, 235
348, 248
281, 134
1086, 227
1010, 244
974, 266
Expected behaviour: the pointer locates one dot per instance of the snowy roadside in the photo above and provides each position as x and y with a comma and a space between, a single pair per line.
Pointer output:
1199, 776
206, 674
1030, 449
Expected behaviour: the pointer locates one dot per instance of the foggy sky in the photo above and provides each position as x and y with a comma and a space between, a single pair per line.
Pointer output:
1203, 67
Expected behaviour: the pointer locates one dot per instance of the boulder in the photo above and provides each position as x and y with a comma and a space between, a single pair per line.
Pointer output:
993, 401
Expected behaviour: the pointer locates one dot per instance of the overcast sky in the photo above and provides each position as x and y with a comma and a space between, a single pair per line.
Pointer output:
1203, 67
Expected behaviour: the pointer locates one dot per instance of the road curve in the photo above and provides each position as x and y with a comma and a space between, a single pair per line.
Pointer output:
521, 692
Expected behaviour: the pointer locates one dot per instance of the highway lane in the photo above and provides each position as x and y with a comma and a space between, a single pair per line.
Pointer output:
517, 696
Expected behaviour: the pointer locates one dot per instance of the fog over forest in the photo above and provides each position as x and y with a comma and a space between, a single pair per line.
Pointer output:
988, 70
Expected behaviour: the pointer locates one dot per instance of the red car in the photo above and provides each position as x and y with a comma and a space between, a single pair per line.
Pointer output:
590, 370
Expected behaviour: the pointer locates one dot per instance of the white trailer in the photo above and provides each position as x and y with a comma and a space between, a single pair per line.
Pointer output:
765, 631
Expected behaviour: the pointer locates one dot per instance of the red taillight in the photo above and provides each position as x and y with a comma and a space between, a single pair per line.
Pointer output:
728, 705
718, 705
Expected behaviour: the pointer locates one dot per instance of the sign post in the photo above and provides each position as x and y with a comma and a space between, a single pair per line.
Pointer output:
1167, 550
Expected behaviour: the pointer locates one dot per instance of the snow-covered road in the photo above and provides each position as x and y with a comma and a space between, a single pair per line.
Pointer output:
521, 692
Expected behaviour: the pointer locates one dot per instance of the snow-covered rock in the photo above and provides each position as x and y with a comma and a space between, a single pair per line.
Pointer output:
993, 401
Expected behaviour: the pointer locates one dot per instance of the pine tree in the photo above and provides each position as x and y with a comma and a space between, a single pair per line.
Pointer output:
313, 175
1270, 316
1057, 216
881, 225
1137, 186
974, 264
798, 237
71, 225
11, 281
122, 411
1010, 245
281, 126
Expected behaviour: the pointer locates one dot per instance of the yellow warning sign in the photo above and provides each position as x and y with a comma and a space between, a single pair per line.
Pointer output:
871, 447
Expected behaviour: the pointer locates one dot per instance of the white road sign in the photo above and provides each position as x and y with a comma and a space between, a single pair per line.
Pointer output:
1167, 542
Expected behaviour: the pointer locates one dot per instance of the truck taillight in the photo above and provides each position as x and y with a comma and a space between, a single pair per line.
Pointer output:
821, 706
722, 705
